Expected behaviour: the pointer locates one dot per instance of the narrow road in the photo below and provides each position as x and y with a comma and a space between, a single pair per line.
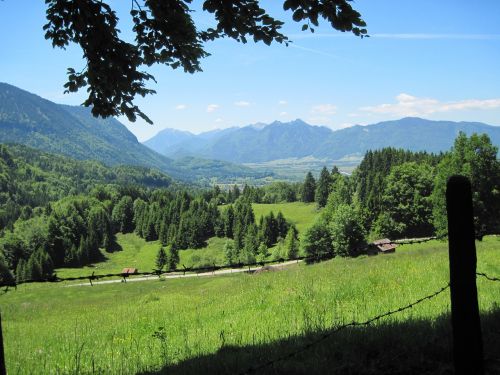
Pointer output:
181, 275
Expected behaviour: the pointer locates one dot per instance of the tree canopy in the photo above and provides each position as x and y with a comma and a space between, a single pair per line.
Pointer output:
165, 33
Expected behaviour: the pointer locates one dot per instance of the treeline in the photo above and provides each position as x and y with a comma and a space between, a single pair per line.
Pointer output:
275, 192
30, 178
72, 231
252, 240
397, 193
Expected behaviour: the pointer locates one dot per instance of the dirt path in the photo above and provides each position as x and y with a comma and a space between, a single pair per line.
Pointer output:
181, 275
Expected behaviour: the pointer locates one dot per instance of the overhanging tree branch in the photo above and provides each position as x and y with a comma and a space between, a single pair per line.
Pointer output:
165, 33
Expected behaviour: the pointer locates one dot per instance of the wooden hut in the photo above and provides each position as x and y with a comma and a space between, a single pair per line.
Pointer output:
129, 271
384, 246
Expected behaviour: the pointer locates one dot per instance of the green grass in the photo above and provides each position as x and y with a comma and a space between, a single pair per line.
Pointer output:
301, 214
207, 256
137, 253
225, 324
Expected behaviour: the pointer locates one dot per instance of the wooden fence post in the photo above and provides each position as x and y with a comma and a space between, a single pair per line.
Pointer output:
467, 340
3, 370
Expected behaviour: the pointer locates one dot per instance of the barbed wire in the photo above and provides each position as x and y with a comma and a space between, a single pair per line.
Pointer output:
490, 278
158, 273
339, 328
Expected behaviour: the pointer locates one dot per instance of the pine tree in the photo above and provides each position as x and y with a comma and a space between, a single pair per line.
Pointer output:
281, 226
149, 228
251, 244
323, 187
107, 241
163, 234
268, 229
172, 233
229, 221
262, 252
172, 257
335, 172
279, 250
230, 253
291, 244
123, 215
161, 259
21, 270
308, 188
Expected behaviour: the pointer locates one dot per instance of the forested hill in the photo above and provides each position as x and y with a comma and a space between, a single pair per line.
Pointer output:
30, 120
298, 139
31, 178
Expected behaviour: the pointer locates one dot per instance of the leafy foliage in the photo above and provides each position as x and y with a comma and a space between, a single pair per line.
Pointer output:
31, 179
346, 231
317, 241
165, 33
476, 158
406, 202
370, 177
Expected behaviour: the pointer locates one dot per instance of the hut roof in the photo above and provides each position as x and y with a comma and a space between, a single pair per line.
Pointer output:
385, 245
129, 271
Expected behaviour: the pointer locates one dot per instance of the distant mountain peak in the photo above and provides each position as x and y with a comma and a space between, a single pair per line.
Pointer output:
258, 125
277, 140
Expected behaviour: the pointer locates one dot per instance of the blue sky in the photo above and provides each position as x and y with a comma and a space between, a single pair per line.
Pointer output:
427, 58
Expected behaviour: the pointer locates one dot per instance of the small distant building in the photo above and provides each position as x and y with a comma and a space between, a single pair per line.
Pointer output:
384, 246
129, 271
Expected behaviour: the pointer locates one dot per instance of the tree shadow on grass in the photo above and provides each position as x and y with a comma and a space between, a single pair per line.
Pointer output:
412, 347
114, 246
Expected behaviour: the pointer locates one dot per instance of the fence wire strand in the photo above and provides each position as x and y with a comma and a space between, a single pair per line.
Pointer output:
339, 328
487, 277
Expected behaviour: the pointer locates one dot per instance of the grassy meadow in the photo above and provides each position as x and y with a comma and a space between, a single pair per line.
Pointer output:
138, 253
133, 251
227, 324
299, 213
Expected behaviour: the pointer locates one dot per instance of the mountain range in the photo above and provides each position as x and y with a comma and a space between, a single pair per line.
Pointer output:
297, 139
28, 119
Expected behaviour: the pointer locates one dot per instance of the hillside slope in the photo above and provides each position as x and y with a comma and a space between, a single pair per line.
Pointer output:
30, 120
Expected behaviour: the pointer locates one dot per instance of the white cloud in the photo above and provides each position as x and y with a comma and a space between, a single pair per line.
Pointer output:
180, 107
283, 113
242, 103
282, 102
408, 105
324, 109
212, 107
219, 120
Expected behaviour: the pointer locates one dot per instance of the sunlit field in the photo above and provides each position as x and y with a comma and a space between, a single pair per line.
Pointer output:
226, 324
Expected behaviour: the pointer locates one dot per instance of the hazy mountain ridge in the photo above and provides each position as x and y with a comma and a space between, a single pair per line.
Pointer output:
297, 139
28, 119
